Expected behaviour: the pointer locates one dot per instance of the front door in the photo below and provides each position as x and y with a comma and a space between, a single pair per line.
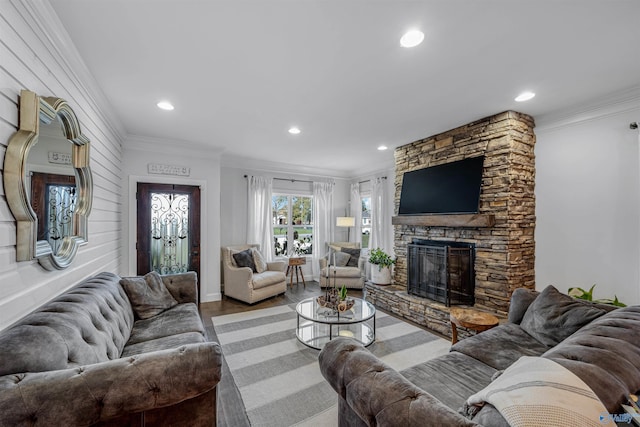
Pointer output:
168, 224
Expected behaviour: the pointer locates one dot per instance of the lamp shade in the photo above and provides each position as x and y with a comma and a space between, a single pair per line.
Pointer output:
345, 221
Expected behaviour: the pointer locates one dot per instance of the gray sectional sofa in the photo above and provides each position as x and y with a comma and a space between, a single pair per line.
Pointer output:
86, 358
597, 343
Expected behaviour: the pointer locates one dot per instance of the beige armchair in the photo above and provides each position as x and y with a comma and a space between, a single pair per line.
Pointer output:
351, 277
245, 285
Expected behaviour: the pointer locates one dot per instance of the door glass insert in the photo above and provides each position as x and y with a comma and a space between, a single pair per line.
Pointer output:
60, 203
169, 233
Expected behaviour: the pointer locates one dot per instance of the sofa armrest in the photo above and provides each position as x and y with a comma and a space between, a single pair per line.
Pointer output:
237, 274
322, 262
182, 286
362, 265
93, 393
377, 393
276, 266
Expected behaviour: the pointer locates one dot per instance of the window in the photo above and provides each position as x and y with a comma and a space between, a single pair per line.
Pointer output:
366, 220
292, 224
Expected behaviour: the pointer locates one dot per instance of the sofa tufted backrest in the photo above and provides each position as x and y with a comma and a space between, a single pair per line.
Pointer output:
87, 324
605, 354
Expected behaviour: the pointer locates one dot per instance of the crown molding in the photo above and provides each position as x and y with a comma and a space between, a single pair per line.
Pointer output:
42, 18
238, 162
171, 146
613, 104
374, 170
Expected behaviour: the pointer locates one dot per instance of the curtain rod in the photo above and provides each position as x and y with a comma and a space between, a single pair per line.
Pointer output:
368, 180
288, 179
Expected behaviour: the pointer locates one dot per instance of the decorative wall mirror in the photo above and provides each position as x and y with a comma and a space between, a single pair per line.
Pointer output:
47, 181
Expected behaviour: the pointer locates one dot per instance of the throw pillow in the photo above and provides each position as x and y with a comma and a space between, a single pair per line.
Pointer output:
245, 259
148, 294
342, 259
258, 260
553, 316
339, 259
354, 256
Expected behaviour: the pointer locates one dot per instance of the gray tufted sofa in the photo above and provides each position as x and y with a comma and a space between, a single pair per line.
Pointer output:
84, 359
604, 353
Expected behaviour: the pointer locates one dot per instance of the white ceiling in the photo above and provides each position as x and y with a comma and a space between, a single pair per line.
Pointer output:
241, 72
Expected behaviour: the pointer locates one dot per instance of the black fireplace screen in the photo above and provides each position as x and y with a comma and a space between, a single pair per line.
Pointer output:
441, 271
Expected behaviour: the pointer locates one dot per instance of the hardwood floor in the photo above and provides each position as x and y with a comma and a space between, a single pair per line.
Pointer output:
231, 411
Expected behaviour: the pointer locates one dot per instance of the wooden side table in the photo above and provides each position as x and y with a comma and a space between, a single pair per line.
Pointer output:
471, 319
294, 265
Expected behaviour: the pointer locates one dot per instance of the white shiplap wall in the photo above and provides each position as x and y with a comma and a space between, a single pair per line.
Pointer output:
37, 54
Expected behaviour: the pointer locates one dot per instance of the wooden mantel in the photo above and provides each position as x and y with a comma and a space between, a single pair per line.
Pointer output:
446, 220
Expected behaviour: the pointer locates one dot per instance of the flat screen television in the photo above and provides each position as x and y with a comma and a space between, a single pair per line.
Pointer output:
451, 188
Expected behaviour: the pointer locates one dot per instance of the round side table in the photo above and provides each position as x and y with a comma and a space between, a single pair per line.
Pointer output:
471, 319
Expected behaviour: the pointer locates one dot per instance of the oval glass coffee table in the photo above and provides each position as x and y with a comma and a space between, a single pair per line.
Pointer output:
318, 325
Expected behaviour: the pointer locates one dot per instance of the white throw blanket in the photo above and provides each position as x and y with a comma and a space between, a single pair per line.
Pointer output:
538, 392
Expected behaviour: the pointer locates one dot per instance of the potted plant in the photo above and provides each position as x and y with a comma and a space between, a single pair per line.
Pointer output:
381, 273
588, 295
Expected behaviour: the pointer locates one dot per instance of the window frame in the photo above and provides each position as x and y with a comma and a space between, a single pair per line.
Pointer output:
363, 196
290, 235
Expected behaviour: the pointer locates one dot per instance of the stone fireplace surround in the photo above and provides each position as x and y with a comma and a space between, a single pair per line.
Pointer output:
503, 231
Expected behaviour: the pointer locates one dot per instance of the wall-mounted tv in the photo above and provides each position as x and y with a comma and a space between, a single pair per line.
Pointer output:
451, 188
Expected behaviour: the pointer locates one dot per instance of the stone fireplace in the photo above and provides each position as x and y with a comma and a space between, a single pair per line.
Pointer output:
502, 233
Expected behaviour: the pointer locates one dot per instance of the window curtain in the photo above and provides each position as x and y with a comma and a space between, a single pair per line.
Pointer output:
356, 212
322, 222
259, 216
381, 232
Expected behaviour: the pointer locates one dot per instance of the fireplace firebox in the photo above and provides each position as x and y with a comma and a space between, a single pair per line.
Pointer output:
441, 271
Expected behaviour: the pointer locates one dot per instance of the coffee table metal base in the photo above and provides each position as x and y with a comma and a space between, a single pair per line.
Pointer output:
317, 325
316, 335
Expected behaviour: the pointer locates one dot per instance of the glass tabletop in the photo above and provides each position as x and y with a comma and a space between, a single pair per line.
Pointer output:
310, 309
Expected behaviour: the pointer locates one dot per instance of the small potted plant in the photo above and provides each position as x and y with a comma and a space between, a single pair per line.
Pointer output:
381, 273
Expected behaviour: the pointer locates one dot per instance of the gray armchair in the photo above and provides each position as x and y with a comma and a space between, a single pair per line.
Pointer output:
244, 284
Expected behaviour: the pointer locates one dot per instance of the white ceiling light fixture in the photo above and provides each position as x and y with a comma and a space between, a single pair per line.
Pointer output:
294, 130
165, 105
382, 147
524, 96
412, 38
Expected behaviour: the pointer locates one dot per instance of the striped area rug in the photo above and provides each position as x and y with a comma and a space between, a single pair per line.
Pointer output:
279, 378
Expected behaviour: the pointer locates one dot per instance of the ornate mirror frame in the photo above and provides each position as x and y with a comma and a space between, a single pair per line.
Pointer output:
33, 110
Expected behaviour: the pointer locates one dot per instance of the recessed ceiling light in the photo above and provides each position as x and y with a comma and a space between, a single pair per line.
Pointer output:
165, 105
412, 38
525, 96
294, 130
382, 147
